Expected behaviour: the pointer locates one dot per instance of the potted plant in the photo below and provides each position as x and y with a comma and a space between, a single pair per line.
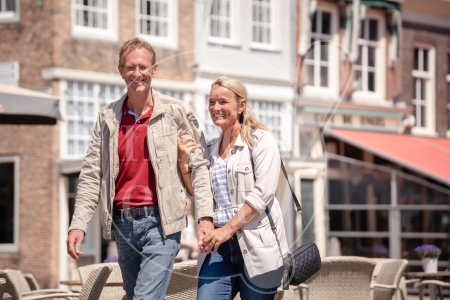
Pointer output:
429, 255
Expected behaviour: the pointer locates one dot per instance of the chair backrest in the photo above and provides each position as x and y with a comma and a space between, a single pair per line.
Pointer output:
109, 292
11, 286
93, 285
2, 287
183, 282
390, 273
342, 277
32, 282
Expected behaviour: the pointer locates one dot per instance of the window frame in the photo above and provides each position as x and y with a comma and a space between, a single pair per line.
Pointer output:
108, 34
98, 102
430, 98
10, 16
169, 42
234, 38
270, 114
14, 247
379, 95
332, 90
273, 45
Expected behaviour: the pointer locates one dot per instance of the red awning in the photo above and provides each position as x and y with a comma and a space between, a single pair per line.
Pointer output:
428, 156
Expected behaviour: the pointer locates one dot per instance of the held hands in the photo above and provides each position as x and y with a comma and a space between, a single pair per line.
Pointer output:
73, 242
215, 238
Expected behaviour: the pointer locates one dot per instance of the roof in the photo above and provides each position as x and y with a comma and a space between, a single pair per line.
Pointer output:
23, 106
425, 155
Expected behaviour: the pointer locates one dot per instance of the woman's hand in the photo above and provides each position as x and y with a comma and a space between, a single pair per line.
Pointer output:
186, 145
215, 238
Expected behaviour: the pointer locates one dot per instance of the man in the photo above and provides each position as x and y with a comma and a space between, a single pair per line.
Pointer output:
130, 172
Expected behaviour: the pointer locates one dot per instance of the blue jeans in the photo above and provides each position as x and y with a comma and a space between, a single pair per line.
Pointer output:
145, 257
223, 275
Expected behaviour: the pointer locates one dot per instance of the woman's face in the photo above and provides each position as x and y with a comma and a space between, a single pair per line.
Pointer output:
224, 107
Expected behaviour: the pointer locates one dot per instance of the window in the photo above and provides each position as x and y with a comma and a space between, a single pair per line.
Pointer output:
368, 220
263, 23
221, 19
269, 114
9, 11
365, 66
421, 85
83, 102
158, 22
9, 203
222, 22
317, 59
95, 19
175, 94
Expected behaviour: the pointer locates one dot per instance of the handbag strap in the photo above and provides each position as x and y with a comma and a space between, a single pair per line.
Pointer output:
296, 202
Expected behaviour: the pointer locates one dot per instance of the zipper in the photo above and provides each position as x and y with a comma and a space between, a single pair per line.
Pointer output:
156, 176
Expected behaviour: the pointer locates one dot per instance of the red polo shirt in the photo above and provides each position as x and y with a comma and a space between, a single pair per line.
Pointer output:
135, 183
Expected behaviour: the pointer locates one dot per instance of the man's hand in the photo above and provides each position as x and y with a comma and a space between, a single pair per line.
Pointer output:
204, 227
73, 242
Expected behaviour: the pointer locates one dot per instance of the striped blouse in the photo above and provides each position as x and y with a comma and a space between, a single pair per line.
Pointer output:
224, 212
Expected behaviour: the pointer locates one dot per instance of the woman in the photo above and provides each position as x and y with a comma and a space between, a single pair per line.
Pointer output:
245, 164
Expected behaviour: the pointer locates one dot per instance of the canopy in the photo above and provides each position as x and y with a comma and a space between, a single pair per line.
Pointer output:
428, 156
23, 106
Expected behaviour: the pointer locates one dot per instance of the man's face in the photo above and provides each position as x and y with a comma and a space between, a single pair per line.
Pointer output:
137, 70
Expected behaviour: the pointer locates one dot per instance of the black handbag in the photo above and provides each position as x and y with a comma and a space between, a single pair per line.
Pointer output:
305, 260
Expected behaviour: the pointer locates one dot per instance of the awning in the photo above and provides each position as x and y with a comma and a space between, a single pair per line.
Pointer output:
428, 156
23, 106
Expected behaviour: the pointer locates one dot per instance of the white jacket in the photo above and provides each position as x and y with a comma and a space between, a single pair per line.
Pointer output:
256, 240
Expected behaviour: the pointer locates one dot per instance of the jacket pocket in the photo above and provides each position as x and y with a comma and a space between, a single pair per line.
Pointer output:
244, 177
262, 236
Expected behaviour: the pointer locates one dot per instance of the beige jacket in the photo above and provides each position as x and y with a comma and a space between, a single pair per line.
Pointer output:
256, 240
101, 165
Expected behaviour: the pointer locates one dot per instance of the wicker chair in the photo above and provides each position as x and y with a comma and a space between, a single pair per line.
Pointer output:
32, 282
91, 289
341, 277
183, 282
17, 286
109, 292
430, 283
2, 287
387, 281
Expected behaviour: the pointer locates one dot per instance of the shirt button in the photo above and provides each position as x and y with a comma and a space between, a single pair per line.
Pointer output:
239, 231
246, 168
259, 223
245, 251
232, 151
232, 192
229, 170
235, 211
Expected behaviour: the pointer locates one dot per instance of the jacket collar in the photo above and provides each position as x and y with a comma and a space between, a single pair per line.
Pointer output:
113, 113
214, 148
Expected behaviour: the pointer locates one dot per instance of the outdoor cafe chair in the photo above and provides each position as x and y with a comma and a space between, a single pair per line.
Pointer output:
430, 283
387, 281
90, 290
17, 286
32, 282
109, 292
341, 277
183, 282
2, 287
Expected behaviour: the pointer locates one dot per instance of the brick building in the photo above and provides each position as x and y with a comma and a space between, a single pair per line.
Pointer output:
373, 77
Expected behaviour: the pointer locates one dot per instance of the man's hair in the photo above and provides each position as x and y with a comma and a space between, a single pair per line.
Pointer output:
133, 44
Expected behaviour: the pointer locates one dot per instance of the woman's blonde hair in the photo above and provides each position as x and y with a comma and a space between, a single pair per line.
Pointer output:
247, 118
